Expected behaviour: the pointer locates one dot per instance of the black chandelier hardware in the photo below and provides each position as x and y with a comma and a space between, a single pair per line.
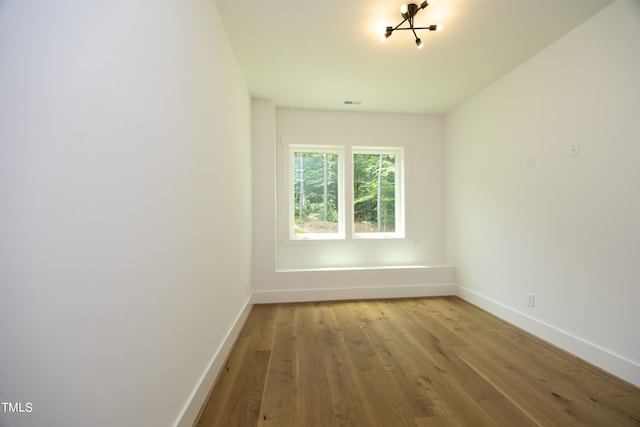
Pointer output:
408, 12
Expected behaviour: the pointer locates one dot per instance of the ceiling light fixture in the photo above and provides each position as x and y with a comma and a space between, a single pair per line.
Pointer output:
408, 12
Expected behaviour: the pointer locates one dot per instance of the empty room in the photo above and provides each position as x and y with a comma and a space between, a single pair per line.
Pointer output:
223, 213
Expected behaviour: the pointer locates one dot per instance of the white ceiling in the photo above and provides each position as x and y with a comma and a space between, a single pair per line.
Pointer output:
308, 54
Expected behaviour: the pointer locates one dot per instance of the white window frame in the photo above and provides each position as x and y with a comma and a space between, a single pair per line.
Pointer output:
399, 232
345, 191
329, 149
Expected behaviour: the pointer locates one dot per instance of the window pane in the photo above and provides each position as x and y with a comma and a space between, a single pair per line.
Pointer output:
315, 192
374, 193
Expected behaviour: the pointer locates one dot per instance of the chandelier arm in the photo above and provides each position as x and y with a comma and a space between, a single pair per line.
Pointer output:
403, 21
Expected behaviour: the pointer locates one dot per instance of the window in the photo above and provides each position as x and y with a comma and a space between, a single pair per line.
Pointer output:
374, 177
316, 207
377, 193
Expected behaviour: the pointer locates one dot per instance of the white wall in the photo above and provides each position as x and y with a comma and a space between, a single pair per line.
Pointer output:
124, 208
285, 271
567, 229
421, 136
263, 155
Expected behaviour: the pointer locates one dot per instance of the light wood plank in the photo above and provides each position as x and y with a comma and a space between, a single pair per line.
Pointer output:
379, 387
350, 407
314, 404
280, 392
226, 385
239, 387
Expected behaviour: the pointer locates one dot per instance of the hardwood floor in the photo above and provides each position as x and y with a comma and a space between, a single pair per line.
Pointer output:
410, 362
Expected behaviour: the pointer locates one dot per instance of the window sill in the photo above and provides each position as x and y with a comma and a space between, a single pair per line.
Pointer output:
362, 268
342, 241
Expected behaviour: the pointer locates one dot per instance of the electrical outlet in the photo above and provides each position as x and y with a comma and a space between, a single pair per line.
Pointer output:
531, 299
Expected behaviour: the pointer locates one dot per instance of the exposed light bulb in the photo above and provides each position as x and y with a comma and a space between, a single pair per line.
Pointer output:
404, 9
419, 43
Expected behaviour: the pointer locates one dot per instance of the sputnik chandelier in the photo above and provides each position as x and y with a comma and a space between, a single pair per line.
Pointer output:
409, 11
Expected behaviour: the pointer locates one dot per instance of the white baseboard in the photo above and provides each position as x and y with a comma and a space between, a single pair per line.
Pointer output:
334, 294
617, 365
200, 393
